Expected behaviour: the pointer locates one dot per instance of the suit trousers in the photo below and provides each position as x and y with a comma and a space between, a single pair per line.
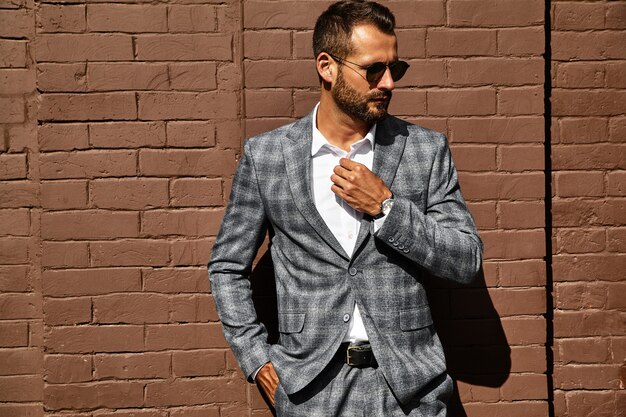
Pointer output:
345, 391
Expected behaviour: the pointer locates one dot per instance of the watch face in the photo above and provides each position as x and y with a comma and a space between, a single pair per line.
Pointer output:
386, 206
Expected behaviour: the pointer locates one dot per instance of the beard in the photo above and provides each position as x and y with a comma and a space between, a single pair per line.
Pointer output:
365, 107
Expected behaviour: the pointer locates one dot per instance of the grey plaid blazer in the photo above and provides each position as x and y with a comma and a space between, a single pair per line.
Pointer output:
428, 229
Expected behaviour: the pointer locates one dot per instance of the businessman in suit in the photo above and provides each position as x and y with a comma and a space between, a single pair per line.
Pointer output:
361, 208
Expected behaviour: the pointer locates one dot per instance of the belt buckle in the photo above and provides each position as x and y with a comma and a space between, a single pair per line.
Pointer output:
355, 348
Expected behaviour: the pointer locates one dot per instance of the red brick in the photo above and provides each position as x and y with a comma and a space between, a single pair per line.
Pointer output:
583, 350
83, 47
615, 74
524, 330
496, 71
12, 110
127, 134
425, 72
117, 394
580, 240
528, 359
460, 42
127, 18
127, 76
185, 336
580, 75
22, 138
181, 105
616, 240
192, 18
66, 369
520, 100
580, 184
194, 76
525, 387
576, 16
268, 103
405, 102
587, 45
181, 222
61, 195
67, 311
19, 194
617, 349
522, 214
136, 252
411, 43
178, 280
184, 47
596, 156
88, 164
62, 18
191, 252
462, 102
198, 363
21, 388
88, 339
136, 413
497, 129
583, 130
17, 81
588, 102
22, 361
95, 106
17, 23
616, 296
285, 14
615, 13
131, 308
89, 225
65, 254
579, 296
193, 309
133, 194
522, 273
487, 13
303, 44
172, 163
506, 301
474, 157
589, 212
196, 192
190, 134
13, 334
588, 323
521, 158
12, 53
21, 410
14, 278
267, 44
617, 129
479, 186
584, 267
521, 41
131, 366
59, 137
193, 391
62, 77
14, 250
589, 403
509, 409
229, 134
20, 306
418, 13
280, 74
617, 183
15, 222
484, 214
587, 377
75, 282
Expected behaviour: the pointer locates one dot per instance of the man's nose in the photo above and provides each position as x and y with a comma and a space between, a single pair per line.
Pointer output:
386, 82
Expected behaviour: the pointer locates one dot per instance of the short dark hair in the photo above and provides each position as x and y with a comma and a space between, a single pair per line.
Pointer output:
333, 28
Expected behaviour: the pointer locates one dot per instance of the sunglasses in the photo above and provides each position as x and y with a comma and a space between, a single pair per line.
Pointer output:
375, 71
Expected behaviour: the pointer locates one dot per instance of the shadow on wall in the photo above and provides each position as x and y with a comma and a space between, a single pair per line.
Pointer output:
469, 327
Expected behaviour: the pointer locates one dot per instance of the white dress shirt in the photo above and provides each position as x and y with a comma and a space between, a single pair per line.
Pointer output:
342, 220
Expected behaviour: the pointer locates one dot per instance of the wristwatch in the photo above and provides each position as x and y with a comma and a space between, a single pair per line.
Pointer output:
385, 206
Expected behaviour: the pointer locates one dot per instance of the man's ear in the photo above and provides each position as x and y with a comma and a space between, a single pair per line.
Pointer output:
324, 65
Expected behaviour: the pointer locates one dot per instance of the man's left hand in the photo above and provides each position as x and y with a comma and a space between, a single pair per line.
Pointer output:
359, 187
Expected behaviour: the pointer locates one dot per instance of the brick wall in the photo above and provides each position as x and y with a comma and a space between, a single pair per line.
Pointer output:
589, 207
121, 127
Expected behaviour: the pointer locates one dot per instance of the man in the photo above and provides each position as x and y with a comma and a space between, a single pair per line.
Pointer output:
359, 207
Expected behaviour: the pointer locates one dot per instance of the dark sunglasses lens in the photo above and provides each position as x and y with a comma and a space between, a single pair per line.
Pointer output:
398, 69
375, 71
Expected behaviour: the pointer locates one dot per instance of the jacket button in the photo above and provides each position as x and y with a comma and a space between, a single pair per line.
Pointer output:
352, 271
401, 247
346, 318
406, 251
391, 239
395, 244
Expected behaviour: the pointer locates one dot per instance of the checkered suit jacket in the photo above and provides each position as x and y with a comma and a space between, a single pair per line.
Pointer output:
428, 229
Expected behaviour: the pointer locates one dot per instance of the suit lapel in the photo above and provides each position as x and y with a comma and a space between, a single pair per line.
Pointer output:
389, 147
297, 155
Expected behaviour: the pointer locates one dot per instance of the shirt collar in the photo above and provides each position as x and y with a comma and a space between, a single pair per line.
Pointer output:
319, 141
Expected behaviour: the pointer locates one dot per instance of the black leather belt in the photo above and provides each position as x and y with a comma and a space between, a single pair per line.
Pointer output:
358, 356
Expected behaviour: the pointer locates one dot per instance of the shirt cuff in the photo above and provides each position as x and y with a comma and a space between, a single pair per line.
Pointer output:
378, 223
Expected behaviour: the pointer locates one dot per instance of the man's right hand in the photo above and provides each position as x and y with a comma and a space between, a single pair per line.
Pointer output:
267, 379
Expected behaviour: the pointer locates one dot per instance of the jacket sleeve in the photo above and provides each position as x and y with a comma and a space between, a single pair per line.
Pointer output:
443, 238
241, 234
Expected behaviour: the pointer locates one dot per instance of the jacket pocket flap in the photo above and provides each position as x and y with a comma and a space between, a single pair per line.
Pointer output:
291, 322
415, 318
